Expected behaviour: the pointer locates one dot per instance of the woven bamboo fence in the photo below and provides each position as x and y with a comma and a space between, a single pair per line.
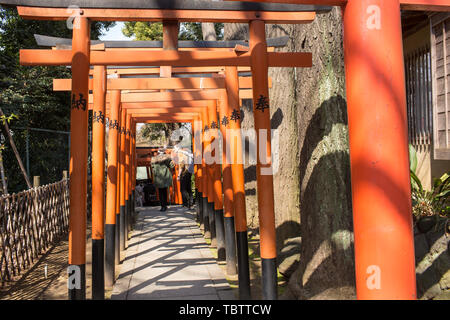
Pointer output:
30, 222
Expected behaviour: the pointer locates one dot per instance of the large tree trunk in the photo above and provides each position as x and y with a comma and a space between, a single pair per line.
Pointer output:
208, 31
312, 185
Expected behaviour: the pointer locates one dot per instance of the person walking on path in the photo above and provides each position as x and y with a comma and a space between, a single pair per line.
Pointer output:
185, 185
140, 195
188, 161
162, 166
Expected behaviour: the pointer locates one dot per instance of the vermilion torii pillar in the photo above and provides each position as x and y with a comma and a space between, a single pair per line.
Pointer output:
210, 165
80, 56
111, 201
261, 111
228, 209
122, 182
98, 183
205, 182
132, 175
217, 180
119, 159
131, 180
127, 178
376, 102
234, 156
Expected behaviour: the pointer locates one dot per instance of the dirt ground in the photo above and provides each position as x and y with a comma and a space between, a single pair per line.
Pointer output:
35, 284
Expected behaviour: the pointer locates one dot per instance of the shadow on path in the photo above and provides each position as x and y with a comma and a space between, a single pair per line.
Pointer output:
167, 258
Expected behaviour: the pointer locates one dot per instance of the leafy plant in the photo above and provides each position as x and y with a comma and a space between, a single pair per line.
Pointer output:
7, 119
433, 202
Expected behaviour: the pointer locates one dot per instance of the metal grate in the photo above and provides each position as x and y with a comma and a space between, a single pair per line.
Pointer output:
419, 96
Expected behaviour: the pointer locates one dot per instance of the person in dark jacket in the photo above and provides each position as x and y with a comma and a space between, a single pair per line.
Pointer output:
162, 166
185, 185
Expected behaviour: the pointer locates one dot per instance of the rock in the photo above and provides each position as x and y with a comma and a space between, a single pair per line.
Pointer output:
428, 283
432, 263
289, 257
443, 296
342, 293
432, 292
421, 247
445, 281
426, 223
289, 265
287, 295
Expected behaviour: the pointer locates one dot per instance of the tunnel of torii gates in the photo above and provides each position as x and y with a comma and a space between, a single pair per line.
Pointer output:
383, 234
217, 102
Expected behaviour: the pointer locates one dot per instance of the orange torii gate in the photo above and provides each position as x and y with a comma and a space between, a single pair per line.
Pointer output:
172, 117
230, 230
155, 107
237, 177
166, 116
157, 84
215, 207
156, 110
215, 201
233, 179
140, 115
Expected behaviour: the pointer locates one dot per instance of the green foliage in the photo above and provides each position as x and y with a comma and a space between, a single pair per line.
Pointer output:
143, 31
154, 31
153, 131
433, 202
191, 31
27, 92
7, 119
158, 134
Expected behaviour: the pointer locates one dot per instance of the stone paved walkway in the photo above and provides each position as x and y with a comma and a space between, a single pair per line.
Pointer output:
168, 259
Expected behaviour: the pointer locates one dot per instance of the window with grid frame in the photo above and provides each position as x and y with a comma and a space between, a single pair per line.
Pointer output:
440, 66
419, 96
